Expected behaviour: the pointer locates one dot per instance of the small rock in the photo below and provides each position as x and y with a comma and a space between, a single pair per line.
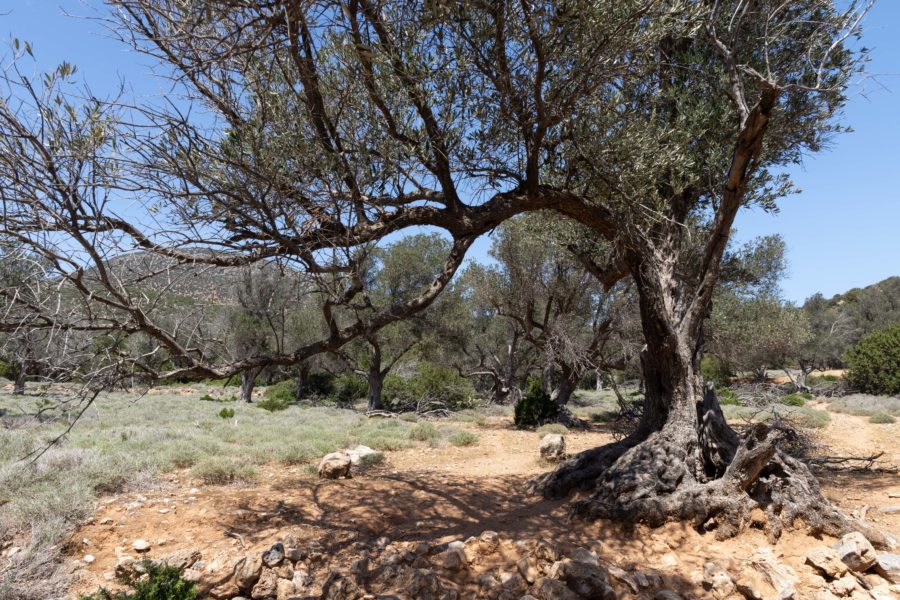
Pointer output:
141, 545
106, 521
247, 572
553, 447
888, 566
451, 559
586, 556
782, 577
586, 579
284, 589
274, 555
890, 510
528, 568
293, 554
88, 558
513, 583
666, 595
334, 466
856, 552
551, 589
845, 585
624, 577
717, 580
827, 561
266, 586
183, 559
224, 591
752, 586
356, 454
192, 575
163, 511
546, 551
301, 580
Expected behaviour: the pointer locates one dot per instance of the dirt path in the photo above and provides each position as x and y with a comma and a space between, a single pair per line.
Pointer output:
437, 495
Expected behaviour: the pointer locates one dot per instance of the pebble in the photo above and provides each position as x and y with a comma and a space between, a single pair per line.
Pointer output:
141, 545
88, 558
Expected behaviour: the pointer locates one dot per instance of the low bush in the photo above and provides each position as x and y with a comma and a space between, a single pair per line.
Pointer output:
882, 419
371, 460
274, 404
219, 471
793, 400
424, 432
865, 405
714, 370
463, 438
226, 413
727, 396
811, 417
161, 583
430, 383
818, 379
535, 407
347, 389
281, 392
874, 362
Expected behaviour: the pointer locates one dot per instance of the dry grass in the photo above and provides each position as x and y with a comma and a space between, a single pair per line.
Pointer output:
123, 441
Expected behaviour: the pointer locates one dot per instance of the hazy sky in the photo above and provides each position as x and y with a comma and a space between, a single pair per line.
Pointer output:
842, 231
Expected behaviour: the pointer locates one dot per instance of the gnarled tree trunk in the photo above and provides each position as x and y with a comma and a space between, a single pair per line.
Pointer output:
684, 462
248, 382
19, 381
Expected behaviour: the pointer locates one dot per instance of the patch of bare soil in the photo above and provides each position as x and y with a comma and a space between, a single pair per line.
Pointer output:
421, 499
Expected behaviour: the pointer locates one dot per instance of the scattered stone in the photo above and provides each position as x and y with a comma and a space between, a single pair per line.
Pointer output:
717, 580
586, 556
334, 466
183, 559
585, 579
882, 593
890, 510
780, 576
422, 583
274, 555
546, 551
382, 543
624, 577
482, 546
827, 561
285, 570
845, 585
553, 447
551, 589
191, 575
247, 572
888, 566
293, 554
856, 552
266, 585
106, 521
356, 454
451, 559
488, 586
753, 586
163, 511
666, 595
224, 591
528, 569
13, 551
513, 583
284, 589
141, 545
88, 558
301, 580
124, 565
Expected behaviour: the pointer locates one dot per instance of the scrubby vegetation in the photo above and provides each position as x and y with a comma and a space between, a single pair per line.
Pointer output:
882, 419
161, 583
535, 407
865, 405
874, 363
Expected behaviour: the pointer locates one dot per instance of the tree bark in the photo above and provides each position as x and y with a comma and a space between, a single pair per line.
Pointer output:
248, 382
376, 384
19, 381
562, 391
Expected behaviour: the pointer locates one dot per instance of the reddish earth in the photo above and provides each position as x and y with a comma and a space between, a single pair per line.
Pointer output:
445, 494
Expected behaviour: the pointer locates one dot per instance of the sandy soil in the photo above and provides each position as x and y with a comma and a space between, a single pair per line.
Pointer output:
444, 494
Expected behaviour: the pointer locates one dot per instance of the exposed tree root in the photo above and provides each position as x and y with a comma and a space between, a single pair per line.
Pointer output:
704, 474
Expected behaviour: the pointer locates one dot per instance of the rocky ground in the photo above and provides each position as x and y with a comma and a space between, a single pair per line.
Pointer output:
457, 523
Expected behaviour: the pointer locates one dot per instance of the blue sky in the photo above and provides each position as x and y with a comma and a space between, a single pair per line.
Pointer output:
842, 231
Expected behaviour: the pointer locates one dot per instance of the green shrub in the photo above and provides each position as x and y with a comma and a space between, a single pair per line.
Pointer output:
817, 379
793, 400
727, 396
281, 392
463, 438
882, 419
874, 363
162, 583
552, 428
535, 407
319, 384
226, 413
607, 416
424, 432
274, 404
349, 388
430, 383
714, 370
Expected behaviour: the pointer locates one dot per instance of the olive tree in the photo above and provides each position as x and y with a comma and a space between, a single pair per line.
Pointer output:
305, 130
